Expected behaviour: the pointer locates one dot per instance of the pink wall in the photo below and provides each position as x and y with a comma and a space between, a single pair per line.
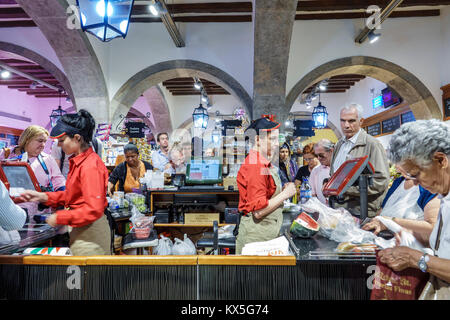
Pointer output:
21, 104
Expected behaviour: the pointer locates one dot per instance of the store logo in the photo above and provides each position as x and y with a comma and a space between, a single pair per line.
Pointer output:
374, 21
73, 20
74, 280
373, 281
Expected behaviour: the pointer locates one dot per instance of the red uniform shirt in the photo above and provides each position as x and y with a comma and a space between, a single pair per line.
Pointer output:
255, 183
85, 192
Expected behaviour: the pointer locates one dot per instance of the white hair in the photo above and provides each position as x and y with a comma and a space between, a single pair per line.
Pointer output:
418, 141
326, 144
354, 106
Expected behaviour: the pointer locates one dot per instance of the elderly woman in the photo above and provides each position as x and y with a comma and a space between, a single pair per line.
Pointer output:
324, 151
129, 172
32, 141
288, 167
310, 158
421, 150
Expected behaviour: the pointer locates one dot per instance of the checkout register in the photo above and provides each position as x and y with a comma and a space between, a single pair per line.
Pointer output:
201, 175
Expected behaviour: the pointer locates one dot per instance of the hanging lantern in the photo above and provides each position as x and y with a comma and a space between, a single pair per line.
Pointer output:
200, 117
55, 115
320, 116
105, 19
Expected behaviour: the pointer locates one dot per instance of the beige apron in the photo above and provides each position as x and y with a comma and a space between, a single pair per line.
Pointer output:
90, 240
265, 229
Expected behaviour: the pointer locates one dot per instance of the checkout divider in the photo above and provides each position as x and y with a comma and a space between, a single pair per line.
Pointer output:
181, 278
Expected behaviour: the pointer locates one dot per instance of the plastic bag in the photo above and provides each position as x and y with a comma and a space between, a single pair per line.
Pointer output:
329, 218
164, 247
406, 238
185, 247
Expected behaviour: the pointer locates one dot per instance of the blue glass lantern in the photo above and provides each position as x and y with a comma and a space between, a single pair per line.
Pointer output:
200, 117
55, 115
105, 19
320, 116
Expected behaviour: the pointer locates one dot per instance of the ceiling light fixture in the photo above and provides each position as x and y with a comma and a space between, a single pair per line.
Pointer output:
5, 74
156, 8
323, 85
373, 37
105, 19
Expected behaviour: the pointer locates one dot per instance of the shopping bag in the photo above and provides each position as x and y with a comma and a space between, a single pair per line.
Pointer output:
397, 285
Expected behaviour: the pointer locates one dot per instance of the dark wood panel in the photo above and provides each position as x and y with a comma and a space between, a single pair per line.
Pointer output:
13, 13
332, 5
218, 7
18, 23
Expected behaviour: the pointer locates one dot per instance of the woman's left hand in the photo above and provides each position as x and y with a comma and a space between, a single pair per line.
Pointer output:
397, 258
51, 220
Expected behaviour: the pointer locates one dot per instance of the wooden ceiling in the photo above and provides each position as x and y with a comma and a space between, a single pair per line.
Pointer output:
23, 84
185, 87
339, 84
11, 15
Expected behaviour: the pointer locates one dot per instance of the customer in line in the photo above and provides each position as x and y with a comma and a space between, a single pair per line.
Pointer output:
288, 167
357, 143
9, 152
310, 160
324, 151
177, 160
12, 217
85, 196
421, 150
129, 172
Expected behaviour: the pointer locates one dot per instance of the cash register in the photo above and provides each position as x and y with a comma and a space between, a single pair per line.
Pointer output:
17, 177
203, 175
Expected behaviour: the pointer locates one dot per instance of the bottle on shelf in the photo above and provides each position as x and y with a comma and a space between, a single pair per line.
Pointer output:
305, 191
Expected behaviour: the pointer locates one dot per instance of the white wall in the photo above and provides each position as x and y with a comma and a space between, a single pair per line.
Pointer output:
412, 43
227, 46
445, 53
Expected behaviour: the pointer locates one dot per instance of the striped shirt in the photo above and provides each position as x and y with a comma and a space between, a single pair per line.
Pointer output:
12, 217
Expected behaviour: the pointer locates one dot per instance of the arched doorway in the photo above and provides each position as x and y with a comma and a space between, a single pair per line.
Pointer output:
153, 75
412, 90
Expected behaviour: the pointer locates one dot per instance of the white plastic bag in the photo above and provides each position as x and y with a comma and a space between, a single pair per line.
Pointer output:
164, 247
276, 247
406, 238
185, 247
190, 244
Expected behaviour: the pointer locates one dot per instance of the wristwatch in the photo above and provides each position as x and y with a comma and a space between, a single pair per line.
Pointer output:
423, 262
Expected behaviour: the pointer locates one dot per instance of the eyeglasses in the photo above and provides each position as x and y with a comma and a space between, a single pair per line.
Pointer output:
321, 156
307, 160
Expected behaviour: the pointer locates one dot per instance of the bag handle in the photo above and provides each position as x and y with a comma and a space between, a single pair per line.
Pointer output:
438, 237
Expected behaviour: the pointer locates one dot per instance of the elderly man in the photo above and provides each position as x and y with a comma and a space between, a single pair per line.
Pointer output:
357, 143
324, 151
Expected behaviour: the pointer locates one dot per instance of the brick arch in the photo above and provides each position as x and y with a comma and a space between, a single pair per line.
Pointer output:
410, 88
155, 74
75, 53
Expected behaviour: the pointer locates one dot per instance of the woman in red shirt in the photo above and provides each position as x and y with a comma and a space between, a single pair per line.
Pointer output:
84, 199
261, 195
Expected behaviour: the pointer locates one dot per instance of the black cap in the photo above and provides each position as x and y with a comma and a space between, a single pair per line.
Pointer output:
263, 124
62, 128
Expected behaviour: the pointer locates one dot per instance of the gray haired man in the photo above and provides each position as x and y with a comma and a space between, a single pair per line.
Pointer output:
357, 143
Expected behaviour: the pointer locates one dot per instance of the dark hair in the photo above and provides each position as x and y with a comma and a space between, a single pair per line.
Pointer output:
130, 148
309, 148
83, 121
160, 134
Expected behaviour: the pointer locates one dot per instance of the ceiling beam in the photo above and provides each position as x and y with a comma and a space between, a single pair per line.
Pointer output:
18, 23
13, 13
171, 27
332, 5
28, 76
216, 7
8, 2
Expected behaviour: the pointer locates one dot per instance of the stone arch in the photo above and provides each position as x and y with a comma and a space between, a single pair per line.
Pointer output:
74, 51
419, 98
42, 61
157, 73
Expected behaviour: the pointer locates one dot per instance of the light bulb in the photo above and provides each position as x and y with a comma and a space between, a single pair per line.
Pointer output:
100, 8
197, 85
5, 74
123, 26
154, 10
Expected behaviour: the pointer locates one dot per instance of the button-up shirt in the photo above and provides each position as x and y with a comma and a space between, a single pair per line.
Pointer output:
255, 183
12, 217
85, 194
318, 174
159, 160
347, 145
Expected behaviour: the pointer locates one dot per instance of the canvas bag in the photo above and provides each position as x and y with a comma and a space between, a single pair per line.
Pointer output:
435, 288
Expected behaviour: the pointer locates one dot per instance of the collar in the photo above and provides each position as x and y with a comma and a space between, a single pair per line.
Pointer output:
77, 160
354, 138
162, 153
